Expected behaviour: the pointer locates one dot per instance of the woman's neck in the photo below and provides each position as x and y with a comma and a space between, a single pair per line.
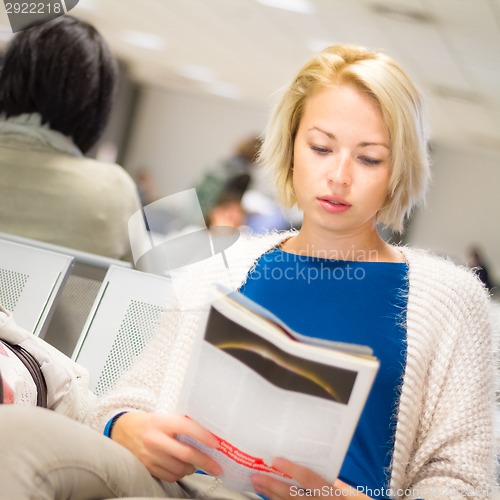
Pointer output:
364, 246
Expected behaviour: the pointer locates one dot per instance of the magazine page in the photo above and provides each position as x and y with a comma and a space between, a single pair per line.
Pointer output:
264, 399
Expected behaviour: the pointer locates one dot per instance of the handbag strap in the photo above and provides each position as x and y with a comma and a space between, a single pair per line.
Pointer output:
35, 371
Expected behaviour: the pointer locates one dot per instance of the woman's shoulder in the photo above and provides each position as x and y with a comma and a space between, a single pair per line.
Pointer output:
427, 259
228, 265
439, 274
251, 243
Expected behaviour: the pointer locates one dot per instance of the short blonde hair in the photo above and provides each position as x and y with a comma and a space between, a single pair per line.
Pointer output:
402, 108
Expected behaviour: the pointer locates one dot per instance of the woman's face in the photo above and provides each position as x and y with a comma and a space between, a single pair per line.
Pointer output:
341, 161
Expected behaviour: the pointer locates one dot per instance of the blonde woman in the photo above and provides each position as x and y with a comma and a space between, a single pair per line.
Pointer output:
347, 144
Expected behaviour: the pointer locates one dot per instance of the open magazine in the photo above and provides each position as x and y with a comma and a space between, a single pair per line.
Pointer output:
266, 391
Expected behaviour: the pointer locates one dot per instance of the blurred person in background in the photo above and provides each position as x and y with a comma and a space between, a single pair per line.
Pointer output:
227, 211
476, 262
233, 174
56, 91
146, 186
242, 177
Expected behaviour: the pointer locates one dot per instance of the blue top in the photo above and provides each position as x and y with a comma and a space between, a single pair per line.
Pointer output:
357, 302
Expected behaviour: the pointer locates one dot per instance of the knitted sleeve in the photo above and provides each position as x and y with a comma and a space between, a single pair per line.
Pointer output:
452, 453
140, 387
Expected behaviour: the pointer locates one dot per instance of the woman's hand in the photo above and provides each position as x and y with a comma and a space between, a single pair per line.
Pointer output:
151, 437
275, 489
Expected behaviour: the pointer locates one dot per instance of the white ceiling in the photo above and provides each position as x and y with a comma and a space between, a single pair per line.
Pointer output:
245, 50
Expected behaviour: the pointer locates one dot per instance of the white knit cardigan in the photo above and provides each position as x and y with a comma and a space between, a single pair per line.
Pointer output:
444, 432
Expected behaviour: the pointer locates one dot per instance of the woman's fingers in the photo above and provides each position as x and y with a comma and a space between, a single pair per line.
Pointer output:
311, 484
170, 469
270, 487
306, 477
153, 439
173, 426
276, 489
187, 454
177, 424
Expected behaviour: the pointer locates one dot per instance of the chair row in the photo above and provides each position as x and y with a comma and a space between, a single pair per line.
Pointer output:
96, 310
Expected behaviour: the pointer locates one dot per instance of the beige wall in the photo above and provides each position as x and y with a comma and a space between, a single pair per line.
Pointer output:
463, 205
177, 136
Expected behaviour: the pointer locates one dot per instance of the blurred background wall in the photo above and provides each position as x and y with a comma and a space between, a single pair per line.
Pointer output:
463, 206
177, 136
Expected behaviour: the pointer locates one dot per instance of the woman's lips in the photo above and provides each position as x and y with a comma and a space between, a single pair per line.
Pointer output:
334, 205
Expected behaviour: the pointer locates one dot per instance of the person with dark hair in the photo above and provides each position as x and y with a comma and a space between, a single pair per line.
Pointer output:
56, 92
227, 211
231, 175
241, 176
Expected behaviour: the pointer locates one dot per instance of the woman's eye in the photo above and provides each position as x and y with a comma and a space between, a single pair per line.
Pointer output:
370, 161
320, 150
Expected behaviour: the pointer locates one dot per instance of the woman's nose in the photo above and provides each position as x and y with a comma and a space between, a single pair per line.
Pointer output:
340, 172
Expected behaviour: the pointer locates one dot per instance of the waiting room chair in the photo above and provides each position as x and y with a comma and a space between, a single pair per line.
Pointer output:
77, 299
125, 315
78, 294
31, 281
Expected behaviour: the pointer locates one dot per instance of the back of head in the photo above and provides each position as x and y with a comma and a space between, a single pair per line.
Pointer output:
380, 77
64, 71
249, 148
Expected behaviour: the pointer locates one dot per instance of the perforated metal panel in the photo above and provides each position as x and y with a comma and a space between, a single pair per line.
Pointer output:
11, 287
136, 329
31, 280
123, 319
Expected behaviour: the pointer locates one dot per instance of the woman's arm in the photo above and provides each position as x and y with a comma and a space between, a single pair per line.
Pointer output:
152, 384
147, 392
454, 455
